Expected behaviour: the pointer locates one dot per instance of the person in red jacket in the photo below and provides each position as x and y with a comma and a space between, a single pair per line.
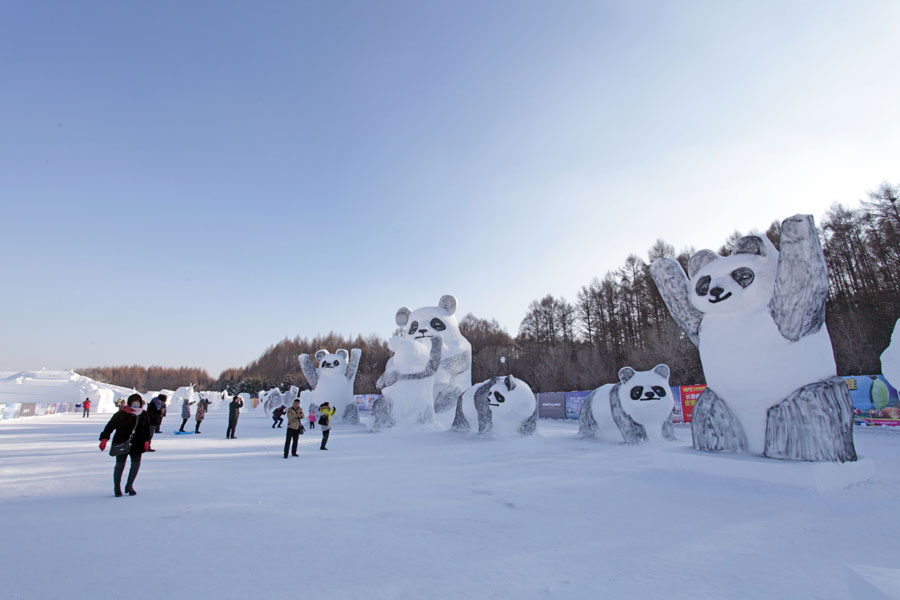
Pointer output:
132, 424
87, 408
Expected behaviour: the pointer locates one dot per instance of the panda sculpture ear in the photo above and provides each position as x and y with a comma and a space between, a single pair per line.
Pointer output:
448, 303
625, 373
750, 244
402, 316
662, 371
343, 353
320, 354
700, 260
510, 383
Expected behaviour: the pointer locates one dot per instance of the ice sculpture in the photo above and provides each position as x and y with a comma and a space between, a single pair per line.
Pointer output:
639, 406
331, 380
758, 318
454, 375
890, 358
500, 405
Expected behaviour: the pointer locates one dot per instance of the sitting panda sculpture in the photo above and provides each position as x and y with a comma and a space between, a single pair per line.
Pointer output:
639, 406
454, 374
407, 389
758, 319
500, 405
331, 380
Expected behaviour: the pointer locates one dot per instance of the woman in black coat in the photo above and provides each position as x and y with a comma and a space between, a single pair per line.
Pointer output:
129, 423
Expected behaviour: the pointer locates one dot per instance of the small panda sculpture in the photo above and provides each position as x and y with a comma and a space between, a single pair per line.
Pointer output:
407, 389
640, 406
500, 405
758, 319
331, 380
455, 372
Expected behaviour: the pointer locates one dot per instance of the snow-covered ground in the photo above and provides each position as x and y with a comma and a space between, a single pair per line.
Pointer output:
425, 515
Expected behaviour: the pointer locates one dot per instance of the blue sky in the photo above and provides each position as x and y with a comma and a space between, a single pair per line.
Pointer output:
188, 183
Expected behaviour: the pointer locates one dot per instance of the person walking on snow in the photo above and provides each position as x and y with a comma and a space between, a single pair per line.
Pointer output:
295, 424
185, 413
200, 413
234, 411
325, 414
278, 416
312, 419
131, 424
87, 408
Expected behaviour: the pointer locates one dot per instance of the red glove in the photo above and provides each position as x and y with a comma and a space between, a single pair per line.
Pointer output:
103, 444
146, 446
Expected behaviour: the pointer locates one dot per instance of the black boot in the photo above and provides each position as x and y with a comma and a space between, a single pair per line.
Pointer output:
118, 492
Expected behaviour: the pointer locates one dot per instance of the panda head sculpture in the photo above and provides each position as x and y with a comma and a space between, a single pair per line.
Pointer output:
330, 364
645, 396
740, 283
431, 321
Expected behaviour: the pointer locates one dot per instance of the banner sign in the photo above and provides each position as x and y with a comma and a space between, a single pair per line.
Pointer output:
27, 409
875, 401
365, 401
574, 400
689, 395
551, 405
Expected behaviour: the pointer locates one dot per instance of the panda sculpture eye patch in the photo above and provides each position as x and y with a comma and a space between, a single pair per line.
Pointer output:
499, 398
636, 392
660, 391
743, 276
413, 326
437, 324
702, 287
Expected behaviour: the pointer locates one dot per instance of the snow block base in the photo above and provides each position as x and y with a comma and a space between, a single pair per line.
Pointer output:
816, 476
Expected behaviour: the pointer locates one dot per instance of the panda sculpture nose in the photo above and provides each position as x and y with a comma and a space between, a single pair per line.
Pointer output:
422, 330
716, 291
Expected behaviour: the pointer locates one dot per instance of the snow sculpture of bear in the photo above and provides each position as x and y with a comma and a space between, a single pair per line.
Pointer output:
455, 372
407, 390
500, 405
890, 358
640, 406
758, 318
332, 381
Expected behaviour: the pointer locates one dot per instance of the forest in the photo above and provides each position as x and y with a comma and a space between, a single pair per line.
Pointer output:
615, 320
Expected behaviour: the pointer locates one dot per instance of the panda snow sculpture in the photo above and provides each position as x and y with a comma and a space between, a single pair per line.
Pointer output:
454, 375
758, 319
640, 406
331, 380
500, 405
407, 389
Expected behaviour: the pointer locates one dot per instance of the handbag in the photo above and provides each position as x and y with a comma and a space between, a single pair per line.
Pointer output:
323, 420
124, 447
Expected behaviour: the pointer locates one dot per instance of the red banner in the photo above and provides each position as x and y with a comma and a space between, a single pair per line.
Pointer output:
689, 395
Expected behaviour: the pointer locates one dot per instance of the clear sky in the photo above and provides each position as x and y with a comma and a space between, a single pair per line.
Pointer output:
186, 183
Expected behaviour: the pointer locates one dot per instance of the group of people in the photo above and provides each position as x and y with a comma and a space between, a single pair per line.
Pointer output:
132, 427
295, 424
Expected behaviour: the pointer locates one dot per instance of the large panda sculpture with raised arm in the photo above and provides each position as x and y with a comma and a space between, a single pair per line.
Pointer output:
331, 378
454, 375
758, 319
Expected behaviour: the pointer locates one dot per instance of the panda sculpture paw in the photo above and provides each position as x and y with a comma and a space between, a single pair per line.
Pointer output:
714, 427
815, 423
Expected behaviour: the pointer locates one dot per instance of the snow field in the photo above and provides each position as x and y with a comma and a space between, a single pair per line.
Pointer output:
419, 514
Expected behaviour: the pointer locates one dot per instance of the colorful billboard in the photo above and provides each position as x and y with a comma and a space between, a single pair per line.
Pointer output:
365, 401
875, 401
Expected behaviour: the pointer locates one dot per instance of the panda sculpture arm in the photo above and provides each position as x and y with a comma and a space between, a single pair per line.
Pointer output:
309, 370
675, 289
801, 280
353, 364
459, 363
389, 378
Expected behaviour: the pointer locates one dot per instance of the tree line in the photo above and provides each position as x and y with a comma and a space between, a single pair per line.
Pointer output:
615, 320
